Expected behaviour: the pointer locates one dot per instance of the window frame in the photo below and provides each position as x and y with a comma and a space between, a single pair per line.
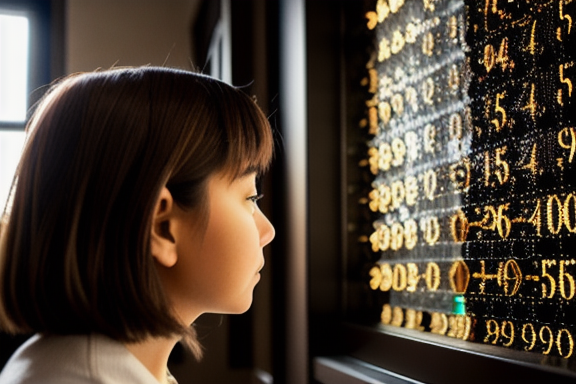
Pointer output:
46, 46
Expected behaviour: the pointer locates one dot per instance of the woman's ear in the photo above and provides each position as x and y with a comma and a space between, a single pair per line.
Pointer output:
162, 242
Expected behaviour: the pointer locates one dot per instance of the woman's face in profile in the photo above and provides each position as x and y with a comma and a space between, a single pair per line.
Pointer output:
217, 269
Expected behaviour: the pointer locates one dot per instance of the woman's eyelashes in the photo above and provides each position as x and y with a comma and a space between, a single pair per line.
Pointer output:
255, 198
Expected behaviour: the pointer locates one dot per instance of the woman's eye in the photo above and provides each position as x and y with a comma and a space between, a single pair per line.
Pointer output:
255, 198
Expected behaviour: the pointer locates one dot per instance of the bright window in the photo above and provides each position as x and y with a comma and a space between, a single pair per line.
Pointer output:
14, 32
14, 69
11, 143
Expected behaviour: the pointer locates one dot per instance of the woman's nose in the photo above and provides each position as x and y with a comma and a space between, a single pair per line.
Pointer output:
265, 228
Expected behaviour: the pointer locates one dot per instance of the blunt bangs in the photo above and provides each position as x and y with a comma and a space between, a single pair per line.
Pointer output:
250, 141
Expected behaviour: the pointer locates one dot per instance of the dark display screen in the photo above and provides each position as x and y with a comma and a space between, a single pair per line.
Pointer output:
472, 155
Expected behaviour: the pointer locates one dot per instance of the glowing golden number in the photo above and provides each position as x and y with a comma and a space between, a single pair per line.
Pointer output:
376, 278
397, 42
383, 10
452, 326
386, 283
547, 337
460, 174
386, 315
380, 239
430, 183
395, 5
410, 234
495, 220
454, 78
502, 58
372, 20
412, 32
373, 73
459, 227
459, 327
397, 317
570, 343
459, 276
385, 198
428, 44
554, 206
489, 57
398, 194
412, 145
566, 81
403, 277
529, 328
384, 238
413, 319
411, 187
499, 124
503, 223
536, 218
397, 103
494, 5
453, 27
432, 276
429, 138
546, 275
566, 280
396, 236
398, 151
373, 118
399, 278
412, 277
568, 133
439, 323
384, 112
492, 329
567, 215
532, 45
384, 156
381, 277
373, 160
511, 273
568, 18
455, 126
384, 51
533, 164
495, 331
429, 5
507, 334
428, 91
431, 230
501, 168
532, 106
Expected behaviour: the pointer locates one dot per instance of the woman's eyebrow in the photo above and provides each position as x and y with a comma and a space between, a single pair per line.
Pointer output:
249, 171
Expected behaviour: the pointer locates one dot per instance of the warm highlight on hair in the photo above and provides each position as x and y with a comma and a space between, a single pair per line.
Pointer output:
75, 250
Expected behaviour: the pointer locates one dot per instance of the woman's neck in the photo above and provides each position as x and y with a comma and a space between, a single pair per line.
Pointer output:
153, 354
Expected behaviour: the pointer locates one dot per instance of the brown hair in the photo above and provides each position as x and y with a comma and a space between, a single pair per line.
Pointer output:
75, 252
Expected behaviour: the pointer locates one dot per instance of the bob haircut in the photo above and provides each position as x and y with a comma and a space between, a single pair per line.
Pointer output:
75, 251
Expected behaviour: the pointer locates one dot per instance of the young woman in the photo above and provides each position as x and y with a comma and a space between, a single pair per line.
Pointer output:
133, 211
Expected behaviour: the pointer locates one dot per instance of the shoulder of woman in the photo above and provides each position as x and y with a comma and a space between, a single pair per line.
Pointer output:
78, 359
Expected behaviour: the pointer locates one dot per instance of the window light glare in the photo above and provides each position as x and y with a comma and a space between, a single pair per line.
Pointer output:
11, 144
13, 68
